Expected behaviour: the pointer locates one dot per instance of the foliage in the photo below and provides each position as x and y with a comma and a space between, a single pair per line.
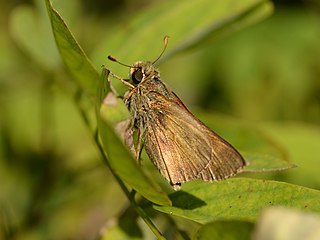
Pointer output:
130, 193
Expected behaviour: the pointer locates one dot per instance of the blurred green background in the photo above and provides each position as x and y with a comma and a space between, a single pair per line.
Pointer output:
53, 182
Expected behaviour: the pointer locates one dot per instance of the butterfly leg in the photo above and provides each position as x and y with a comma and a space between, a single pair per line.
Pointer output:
124, 81
140, 142
139, 148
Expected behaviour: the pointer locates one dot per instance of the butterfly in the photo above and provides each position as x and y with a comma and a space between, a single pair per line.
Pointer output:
179, 144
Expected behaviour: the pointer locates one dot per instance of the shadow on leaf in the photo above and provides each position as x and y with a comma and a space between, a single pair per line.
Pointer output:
185, 200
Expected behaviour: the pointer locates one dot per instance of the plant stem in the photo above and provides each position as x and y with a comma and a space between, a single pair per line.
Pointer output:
144, 216
130, 195
105, 160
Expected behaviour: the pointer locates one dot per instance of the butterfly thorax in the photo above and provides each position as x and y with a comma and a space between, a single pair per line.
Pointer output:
149, 92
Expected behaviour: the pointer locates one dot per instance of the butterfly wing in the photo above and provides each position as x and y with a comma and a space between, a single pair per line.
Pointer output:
183, 148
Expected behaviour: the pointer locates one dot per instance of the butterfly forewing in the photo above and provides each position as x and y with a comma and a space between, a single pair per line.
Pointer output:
178, 143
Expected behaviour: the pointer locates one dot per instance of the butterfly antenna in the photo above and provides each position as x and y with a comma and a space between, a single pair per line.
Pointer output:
113, 59
165, 40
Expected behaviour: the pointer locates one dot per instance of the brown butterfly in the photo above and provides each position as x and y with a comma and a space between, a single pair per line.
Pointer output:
179, 144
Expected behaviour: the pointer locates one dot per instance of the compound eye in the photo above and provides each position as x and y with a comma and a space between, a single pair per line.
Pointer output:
137, 76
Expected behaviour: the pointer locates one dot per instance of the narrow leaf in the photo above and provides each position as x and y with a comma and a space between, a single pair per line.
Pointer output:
187, 22
119, 157
72, 54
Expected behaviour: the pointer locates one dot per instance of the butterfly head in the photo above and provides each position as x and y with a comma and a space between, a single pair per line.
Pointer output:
141, 70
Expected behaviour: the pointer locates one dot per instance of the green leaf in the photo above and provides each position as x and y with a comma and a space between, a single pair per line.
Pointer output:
72, 54
187, 22
290, 224
119, 157
226, 230
259, 162
237, 199
87, 77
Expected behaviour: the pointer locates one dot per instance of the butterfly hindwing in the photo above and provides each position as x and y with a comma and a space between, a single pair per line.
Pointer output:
183, 148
